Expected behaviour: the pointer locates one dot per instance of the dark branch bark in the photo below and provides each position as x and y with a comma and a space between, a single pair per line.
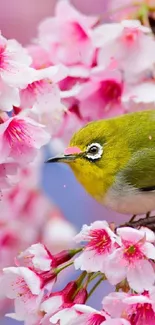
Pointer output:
145, 222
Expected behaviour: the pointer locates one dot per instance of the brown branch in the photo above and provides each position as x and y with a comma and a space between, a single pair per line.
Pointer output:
143, 222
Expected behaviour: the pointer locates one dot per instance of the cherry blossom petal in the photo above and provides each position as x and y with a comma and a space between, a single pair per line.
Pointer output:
66, 11
64, 316
9, 97
141, 276
30, 278
89, 261
116, 267
119, 321
114, 303
39, 255
149, 234
141, 93
20, 138
137, 299
51, 304
149, 250
130, 234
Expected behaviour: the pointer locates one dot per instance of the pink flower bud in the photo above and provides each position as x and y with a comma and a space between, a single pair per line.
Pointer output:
69, 291
62, 257
81, 296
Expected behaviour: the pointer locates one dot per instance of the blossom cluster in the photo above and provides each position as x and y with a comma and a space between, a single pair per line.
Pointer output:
124, 257
110, 65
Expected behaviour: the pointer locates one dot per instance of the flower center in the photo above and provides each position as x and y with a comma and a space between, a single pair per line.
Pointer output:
132, 252
143, 315
76, 32
130, 36
100, 241
37, 87
21, 288
110, 90
95, 319
2, 57
17, 132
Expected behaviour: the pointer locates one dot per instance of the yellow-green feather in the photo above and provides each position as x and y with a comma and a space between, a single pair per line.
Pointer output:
122, 138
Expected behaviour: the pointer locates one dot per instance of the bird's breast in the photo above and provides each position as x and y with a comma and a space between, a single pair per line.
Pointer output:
126, 199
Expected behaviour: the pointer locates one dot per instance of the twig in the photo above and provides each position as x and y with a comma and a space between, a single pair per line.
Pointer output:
143, 222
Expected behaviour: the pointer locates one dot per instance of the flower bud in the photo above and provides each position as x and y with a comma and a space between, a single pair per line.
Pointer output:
69, 291
65, 255
81, 296
62, 257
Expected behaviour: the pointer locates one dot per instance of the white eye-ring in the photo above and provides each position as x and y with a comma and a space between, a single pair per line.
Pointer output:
94, 151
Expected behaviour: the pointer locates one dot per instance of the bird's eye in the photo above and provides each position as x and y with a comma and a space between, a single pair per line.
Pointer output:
94, 151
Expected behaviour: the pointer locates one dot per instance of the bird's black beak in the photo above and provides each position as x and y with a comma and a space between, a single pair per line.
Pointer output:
70, 154
63, 158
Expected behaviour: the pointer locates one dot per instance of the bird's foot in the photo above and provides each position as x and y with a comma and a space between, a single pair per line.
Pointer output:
148, 214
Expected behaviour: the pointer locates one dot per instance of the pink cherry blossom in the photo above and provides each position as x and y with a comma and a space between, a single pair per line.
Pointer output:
67, 36
8, 174
127, 42
72, 121
65, 316
41, 84
14, 66
139, 309
58, 233
131, 261
66, 312
10, 243
24, 286
38, 257
40, 57
149, 234
141, 93
23, 204
55, 302
100, 243
49, 110
14, 72
9, 96
101, 95
50, 306
83, 314
114, 303
20, 138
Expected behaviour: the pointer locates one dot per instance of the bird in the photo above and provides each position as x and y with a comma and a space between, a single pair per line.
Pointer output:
114, 160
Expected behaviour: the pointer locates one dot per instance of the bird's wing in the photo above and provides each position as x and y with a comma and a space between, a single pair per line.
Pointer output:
140, 171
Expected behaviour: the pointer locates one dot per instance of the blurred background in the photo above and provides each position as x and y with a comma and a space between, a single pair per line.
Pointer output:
19, 20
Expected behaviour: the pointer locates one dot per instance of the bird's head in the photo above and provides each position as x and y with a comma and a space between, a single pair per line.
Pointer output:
93, 156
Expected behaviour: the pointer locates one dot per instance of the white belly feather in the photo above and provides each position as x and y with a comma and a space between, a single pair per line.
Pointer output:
128, 200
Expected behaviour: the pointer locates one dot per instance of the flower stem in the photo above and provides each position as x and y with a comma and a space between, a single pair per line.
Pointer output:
81, 278
95, 286
79, 282
57, 271
73, 252
93, 276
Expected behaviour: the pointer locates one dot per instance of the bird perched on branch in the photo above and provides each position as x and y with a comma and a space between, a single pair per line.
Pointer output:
114, 160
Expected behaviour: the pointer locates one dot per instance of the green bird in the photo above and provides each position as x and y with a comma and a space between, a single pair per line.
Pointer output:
114, 160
